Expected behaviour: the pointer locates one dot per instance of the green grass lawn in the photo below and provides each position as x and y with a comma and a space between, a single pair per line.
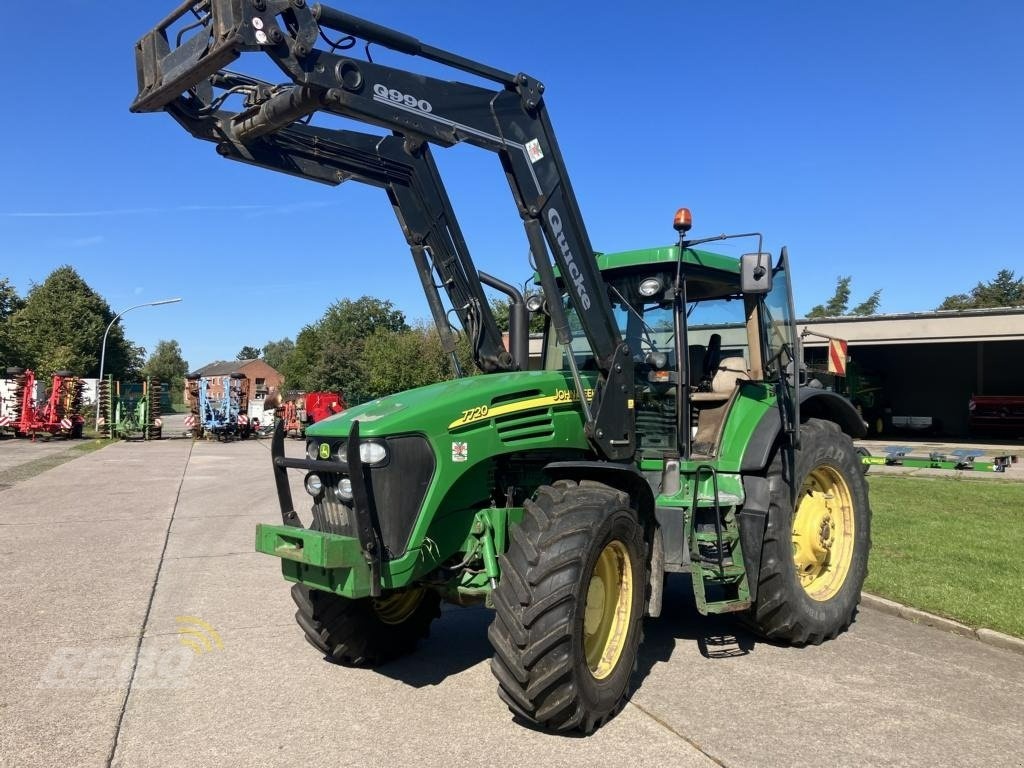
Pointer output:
950, 546
72, 450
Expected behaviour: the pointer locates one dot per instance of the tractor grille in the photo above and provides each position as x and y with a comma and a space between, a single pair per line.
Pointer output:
333, 516
396, 493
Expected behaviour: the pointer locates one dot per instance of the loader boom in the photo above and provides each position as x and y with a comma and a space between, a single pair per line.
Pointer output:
406, 170
511, 121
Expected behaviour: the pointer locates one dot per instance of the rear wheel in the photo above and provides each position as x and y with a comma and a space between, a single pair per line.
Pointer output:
368, 631
569, 606
815, 554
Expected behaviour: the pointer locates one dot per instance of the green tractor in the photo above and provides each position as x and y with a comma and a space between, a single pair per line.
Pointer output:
666, 433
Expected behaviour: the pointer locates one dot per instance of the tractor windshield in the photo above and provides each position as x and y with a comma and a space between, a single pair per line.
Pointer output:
647, 325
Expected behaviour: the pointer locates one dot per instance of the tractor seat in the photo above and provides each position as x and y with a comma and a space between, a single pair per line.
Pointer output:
724, 383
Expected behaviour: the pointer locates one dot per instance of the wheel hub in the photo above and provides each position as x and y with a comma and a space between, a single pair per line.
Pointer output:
396, 608
823, 531
606, 614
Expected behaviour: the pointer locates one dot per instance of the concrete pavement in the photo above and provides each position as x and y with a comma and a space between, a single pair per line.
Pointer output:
109, 562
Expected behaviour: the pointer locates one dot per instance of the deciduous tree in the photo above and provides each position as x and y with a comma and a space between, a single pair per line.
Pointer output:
167, 366
61, 325
10, 302
276, 353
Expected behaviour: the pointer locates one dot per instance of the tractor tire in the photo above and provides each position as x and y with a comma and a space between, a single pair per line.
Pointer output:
815, 556
569, 607
368, 631
863, 453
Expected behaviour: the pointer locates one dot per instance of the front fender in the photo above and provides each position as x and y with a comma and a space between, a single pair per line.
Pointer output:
625, 477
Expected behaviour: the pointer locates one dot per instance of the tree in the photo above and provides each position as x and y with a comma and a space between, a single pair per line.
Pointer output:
839, 303
342, 333
61, 325
1005, 290
248, 353
869, 306
276, 353
10, 302
135, 362
299, 366
168, 366
398, 360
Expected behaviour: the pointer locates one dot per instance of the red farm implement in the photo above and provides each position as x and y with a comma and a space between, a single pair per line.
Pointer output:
306, 408
996, 415
58, 412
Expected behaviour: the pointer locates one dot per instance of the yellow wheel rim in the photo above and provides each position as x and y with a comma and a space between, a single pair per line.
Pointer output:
823, 533
608, 608
396, 608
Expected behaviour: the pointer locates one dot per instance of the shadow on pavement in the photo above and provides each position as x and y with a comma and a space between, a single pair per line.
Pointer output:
458, 640
716, 637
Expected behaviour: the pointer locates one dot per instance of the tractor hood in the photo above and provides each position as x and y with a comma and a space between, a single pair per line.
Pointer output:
453, 405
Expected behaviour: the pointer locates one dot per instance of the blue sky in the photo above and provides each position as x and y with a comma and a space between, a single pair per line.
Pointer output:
878, 140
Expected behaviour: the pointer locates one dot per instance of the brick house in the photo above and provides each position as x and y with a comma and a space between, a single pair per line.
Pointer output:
262, 378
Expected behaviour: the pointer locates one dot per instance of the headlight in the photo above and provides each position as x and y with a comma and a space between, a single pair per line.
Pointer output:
372, 453
344, 489
651, 286
311, 449
534, 302
314, 484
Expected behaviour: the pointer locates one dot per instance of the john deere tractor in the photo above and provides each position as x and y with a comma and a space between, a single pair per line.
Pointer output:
667, 431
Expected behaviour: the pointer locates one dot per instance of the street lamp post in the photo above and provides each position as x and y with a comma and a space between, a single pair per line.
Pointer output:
103, 351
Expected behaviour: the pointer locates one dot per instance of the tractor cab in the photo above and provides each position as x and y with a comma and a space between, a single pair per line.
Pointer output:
703, 330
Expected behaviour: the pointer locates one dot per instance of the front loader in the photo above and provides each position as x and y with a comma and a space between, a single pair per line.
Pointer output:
667, 431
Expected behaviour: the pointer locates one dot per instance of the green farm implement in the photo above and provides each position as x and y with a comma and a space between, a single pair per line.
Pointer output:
130, 410
666, 432
959, 459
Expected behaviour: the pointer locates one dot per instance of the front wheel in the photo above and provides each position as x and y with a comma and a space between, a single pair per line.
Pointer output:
816, 545
569, 607
368, 631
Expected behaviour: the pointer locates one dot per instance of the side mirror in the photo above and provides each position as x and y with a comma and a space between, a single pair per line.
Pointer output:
756, 273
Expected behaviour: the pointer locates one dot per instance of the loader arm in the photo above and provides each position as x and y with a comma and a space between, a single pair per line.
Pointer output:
406, 170
179, 65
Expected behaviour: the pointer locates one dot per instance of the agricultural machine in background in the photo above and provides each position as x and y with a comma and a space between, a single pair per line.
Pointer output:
306, 408
8, 389
219, 406
28, 411
1001, 415
130, 411
841, 374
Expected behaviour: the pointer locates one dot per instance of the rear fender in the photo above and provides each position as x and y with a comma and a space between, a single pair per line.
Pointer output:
814, 404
